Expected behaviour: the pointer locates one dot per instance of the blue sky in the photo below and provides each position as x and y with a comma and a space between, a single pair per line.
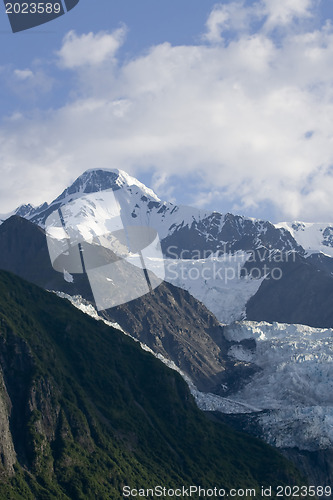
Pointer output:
226, 106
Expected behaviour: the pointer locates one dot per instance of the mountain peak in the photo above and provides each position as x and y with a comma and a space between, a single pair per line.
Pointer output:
101, 179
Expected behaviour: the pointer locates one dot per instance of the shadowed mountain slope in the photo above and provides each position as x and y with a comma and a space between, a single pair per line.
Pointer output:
303, 294
169, 319
84, 411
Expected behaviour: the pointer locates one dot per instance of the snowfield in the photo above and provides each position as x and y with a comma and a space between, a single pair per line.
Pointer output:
314, 237
216, 282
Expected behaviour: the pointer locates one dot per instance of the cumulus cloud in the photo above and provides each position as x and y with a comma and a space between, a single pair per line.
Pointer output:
90, 49
250, 118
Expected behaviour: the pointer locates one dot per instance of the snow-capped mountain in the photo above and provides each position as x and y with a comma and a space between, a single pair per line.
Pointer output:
141, 206
227, 262
214, 256
314, 237
190, 230
186, 231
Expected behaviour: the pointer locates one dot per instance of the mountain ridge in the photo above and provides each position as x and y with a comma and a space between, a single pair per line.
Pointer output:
99, 179
88, 412
189, 236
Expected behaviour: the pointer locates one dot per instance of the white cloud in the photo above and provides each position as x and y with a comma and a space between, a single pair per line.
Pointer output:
23, 74
240, 17
234, 16
251, 118
90, 49
284, 12
216, 22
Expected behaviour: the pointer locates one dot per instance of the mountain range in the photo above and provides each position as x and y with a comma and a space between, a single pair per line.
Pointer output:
231, 250
228, 280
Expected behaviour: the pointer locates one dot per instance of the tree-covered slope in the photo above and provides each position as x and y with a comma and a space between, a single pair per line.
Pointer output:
84, 411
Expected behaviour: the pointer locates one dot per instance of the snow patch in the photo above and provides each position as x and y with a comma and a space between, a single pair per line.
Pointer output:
314, 237
68, 277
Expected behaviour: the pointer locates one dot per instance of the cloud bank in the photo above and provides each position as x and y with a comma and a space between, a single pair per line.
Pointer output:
247, 110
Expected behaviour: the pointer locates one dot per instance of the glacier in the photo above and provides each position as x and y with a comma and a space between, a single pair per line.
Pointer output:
290, 398
293, 388
216, 282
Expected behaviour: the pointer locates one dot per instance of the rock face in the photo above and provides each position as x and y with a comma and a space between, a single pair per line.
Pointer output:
7, 451
317, 466
28, 401
226, 233
84, 411
24, 252
173, 323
